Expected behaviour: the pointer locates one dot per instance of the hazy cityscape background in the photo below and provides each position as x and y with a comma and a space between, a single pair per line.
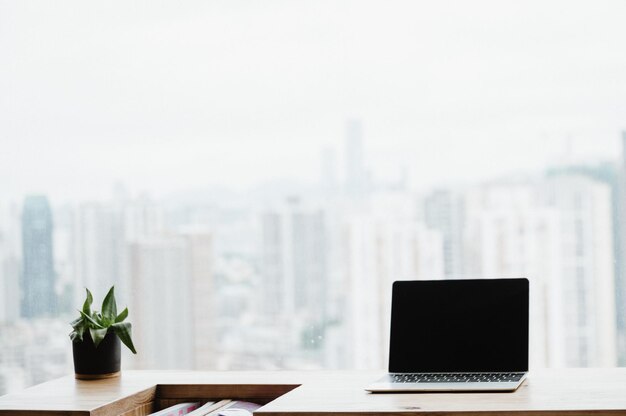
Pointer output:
253, 176
277, 278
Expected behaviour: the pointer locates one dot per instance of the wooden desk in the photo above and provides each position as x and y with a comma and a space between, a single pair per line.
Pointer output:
137, 393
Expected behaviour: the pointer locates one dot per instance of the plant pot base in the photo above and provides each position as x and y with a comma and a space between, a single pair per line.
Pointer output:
96, 376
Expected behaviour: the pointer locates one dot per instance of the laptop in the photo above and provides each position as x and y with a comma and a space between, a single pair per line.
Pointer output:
457, 335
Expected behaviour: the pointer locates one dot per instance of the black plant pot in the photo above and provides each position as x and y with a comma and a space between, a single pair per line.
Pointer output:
91, 363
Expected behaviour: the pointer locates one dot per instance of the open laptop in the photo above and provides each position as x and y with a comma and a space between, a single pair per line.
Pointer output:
457, 335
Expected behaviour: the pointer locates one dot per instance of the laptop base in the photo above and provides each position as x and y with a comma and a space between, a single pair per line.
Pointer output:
387, 385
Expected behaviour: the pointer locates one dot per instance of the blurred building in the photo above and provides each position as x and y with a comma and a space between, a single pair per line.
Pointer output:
142, 217
172, 306
32, 352
356, 179
613, 174
200, 248
160, 306
377, 250
587, 279
509, 234
444, 211
621, 256
38, 278
99, 248
294, 262
294, 272
558, 233
328, 171
9, 263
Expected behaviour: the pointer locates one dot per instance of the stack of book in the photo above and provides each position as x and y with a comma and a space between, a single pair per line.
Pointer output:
220, 408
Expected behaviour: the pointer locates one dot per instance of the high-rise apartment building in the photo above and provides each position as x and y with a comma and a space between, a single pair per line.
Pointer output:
9, 263
328, 170
613, 174
378, 250
557, 232
200, 249
294, 255
38, 278
99, 247
142, 218
587, 279
356, 174
620, 278
509, 234
161, 303
294, 279
444, 211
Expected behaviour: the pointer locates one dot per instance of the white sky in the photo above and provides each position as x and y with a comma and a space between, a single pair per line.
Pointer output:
165, 96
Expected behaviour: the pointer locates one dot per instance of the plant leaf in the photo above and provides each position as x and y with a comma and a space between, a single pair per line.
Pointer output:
76, 322
81, 331
97, 335
88, 302
122, 315
124, 331
76, 336
91, 320
109, 306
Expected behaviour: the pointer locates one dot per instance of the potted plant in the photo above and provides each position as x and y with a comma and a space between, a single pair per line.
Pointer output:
96, 339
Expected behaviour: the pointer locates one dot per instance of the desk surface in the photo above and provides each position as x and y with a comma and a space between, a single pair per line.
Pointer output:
571, 392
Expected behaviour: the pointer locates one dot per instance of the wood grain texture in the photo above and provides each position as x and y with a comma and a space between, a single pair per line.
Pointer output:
560, 392
142, 410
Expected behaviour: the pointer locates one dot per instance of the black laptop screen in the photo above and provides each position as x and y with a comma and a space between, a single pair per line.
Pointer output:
459, 325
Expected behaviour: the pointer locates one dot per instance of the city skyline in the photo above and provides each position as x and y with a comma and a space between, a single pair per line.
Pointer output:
251, 177
303, 280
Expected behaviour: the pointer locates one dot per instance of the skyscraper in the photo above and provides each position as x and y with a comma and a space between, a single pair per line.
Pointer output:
558, 233
294, 269
587, 281
38, 278
377, 250
444, 211
202, 285
356, 176
161, 302
99, 248
612, 174
620, 278
9, 263
328, 174
294, 256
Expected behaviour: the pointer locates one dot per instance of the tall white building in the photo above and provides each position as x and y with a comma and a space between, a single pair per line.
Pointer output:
294, 262
510, 235
378, 250
200, 254
100, 234
294, 279
444, 211
587, 274
557, 233
10, 244
161, 307
99, 248
356, 179
142, 218
173, 300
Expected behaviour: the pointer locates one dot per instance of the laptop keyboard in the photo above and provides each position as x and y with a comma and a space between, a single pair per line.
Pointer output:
456, 377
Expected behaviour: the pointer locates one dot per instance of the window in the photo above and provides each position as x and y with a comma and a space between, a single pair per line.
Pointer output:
252, 176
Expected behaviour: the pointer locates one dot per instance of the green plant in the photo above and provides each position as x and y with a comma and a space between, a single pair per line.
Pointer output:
100, 323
